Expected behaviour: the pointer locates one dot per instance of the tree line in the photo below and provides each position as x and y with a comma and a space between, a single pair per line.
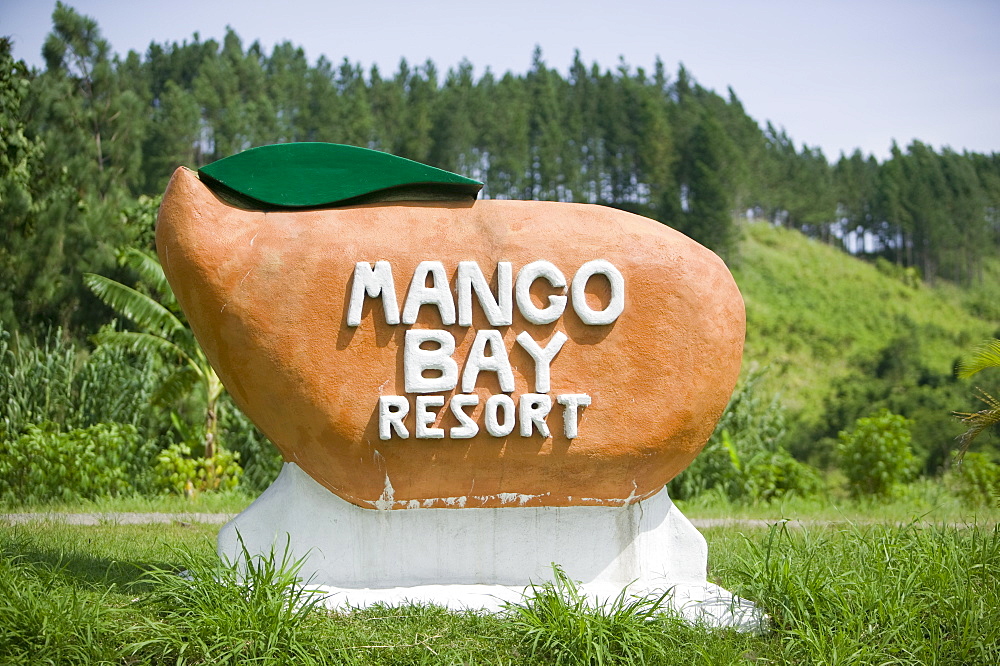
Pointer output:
88, 143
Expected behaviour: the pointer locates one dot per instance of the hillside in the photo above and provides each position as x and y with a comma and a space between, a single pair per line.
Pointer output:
818, 317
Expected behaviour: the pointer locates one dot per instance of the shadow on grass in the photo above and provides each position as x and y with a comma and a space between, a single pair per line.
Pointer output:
81, 569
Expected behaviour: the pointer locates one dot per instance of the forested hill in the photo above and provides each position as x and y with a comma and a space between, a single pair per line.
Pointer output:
87, 144
86, 140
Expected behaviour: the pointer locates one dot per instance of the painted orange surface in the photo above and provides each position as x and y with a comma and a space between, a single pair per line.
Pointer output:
267, 294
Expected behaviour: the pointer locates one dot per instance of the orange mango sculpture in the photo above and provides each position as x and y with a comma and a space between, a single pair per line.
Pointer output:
460, 353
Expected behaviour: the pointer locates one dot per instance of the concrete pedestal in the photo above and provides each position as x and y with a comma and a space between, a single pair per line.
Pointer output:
481, 558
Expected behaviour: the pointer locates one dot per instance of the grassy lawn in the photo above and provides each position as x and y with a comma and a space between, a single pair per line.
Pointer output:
924, 501
838, 593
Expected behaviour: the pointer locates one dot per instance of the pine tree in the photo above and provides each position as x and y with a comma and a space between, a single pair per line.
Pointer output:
708, 218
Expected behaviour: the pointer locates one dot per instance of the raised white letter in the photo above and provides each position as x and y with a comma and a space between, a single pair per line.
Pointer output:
416, 360
572, 401
493, 425
543, 356
390, 419
468, 427
479, 361
420, 294
374, 282
499, 311
617, 304
522, 292
534, 408
426, 418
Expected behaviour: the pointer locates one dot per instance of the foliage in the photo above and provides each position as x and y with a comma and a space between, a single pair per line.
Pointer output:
260, 460
57, 382
87, 142
976, 479
45, 463
161, 331
652, 142
897, 378
835, 356
876, 455
178, 472
987, 356
745, 458
561, 625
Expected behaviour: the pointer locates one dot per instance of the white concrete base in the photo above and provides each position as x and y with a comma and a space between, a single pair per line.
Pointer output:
480, 558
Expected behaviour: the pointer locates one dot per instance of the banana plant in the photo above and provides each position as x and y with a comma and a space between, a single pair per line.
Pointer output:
161, 331
986, 356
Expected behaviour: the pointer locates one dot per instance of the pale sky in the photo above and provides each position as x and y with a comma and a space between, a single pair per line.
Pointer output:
836, 74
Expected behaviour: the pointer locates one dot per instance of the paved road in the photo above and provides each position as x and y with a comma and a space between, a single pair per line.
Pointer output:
222, 518
116, 518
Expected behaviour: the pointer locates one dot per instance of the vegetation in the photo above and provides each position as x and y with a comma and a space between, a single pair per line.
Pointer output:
864, 280
88, 140
875, 455
560, 624
987, 356
111, 593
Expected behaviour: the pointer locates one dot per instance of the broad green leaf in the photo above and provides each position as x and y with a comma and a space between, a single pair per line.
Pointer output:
138, 307
311, 175
145, 342
151, 272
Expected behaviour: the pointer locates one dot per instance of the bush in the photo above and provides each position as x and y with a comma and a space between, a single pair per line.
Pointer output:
46, 464
876, 456
177, 471
976, 480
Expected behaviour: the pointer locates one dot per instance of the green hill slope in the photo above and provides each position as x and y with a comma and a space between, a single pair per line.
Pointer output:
820, 320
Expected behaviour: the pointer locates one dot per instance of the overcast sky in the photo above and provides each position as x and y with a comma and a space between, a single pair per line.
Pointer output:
839, 74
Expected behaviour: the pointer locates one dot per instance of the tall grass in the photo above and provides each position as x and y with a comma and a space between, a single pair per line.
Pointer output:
44, 622
879, 594
559, 622
255, 610
56, 382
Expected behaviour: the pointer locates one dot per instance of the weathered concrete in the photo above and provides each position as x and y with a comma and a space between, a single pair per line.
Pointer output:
480, 558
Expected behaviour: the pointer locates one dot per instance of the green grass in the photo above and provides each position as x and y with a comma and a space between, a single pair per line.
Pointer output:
841, 594
925, 501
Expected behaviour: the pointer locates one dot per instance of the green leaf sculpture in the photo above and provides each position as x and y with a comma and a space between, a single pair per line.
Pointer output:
317, 175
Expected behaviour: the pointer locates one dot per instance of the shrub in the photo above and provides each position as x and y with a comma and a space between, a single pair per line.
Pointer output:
177, 471
876, 456
46, 464
976, 480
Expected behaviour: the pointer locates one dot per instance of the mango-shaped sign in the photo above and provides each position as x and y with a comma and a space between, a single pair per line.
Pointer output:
459, 353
